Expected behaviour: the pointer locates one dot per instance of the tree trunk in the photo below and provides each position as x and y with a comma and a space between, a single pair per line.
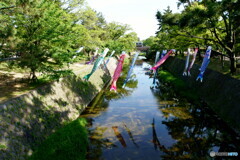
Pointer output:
33, 76
233, 65
222, 60
199, 54
181, 53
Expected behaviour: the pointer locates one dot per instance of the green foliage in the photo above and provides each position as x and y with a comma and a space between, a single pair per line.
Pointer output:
154, 44
7, 30
2, 146
93, 22
129, 41
200, 24
118, 39
179, 85
45, 34
69, 142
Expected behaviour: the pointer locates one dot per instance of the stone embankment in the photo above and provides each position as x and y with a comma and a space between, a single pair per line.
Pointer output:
220, 92
27, 120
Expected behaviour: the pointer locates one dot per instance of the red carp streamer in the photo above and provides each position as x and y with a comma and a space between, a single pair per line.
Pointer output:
161, 61
117, 72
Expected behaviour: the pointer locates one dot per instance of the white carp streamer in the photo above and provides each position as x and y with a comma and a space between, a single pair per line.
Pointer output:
193, 60
187, 62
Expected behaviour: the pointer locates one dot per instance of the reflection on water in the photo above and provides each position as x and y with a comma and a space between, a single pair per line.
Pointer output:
140, 123
119, 136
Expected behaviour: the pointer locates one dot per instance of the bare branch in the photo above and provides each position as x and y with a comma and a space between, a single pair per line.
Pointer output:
7, 7
226, 24
192, 36
220, 42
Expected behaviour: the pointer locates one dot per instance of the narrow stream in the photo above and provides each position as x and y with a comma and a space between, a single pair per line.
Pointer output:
140, 123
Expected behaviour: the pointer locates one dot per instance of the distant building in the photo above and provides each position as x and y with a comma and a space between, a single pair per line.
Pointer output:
139, 44
141, 48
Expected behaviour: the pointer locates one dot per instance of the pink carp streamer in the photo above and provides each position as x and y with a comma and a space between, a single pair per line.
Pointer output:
117, 72
161, 61
193, 60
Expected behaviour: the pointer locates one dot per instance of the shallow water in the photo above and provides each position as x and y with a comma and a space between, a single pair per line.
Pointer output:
140, 123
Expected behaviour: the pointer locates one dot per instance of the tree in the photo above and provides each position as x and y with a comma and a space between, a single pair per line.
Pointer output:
119, 37
46, 34
129, 41
214, 22
94, 24
7, 30
218, 18
171, 33
153, 43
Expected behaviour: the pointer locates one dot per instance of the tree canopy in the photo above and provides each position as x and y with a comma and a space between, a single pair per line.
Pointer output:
202, 23
45, 34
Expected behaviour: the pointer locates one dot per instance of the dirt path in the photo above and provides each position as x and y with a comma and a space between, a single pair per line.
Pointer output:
13, 84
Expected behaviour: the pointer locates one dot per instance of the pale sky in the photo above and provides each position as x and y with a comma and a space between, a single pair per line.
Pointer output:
139, 14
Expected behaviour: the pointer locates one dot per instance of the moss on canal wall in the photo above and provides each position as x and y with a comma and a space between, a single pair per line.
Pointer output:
220, 92
27, 120
179, 85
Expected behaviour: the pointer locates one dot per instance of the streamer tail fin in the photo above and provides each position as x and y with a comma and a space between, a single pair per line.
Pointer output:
87, 77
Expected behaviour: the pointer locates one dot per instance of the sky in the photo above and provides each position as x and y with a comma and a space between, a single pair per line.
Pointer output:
139, 14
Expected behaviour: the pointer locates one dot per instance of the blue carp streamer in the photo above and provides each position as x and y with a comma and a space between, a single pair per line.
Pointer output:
131, 69
205, 63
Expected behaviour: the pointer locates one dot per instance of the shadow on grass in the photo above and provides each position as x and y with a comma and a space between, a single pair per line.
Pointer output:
69, 142
10, 85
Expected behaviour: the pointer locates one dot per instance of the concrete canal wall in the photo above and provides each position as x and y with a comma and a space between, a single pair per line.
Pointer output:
220, 92
27, 120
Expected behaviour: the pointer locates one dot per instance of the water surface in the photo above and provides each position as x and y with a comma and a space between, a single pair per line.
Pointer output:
140, 123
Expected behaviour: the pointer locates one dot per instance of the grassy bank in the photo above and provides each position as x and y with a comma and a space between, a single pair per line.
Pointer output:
69, 142
178, 85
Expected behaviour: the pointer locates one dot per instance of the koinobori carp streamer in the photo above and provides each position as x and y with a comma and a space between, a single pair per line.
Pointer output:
131, 69
93, 58
193, 60
117, 72
205, 63
109, 57
161, 61
156, 59
98, 62
186, 63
